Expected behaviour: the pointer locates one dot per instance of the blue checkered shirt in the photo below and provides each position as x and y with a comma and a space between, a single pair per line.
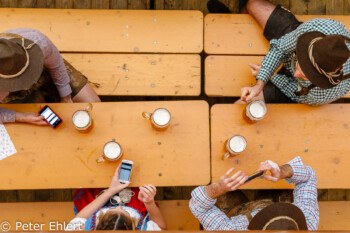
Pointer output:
282, 50
305, 197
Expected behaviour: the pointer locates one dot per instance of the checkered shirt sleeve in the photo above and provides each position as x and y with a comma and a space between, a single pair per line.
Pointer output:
316, 96
305, 191
279, 48
212, 218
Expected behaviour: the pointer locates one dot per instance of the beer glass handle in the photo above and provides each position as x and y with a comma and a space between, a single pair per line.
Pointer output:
226, 156
147, 115
89, 107
100, 159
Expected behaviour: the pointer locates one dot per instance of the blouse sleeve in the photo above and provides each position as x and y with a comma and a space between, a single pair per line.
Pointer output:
77, 224
152, 226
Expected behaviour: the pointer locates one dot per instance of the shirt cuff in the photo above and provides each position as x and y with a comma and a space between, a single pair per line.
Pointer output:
297, 166
64, 90
201, 197
7, 115
76, 224
262, 76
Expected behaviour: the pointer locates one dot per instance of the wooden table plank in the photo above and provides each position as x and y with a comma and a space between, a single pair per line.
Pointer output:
65, 158
141, 74
240, 33
112, 30
51, 214
226, 75
319, 135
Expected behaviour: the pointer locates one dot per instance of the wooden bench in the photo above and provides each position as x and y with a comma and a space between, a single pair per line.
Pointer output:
333, 215
54, 215
160, 48
240, 34
66, 158
240, 37
319, 135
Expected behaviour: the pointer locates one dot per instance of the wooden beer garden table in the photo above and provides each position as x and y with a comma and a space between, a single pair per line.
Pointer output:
319, 135
66, 158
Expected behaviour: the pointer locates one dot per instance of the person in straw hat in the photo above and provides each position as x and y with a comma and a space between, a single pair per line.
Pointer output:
302, 214
315, 56
33, 71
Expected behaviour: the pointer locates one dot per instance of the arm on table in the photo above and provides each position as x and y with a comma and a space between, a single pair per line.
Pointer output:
146, 195
202, 203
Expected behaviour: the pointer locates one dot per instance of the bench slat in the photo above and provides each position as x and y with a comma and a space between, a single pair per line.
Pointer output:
141, 74
240, 33
65, 158
112, 30
226, 75
176, 213
334, 215
317, 134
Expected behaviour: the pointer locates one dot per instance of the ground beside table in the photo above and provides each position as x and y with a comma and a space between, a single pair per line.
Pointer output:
65, 158
319, 135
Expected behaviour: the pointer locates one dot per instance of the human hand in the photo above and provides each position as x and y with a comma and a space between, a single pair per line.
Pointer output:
30, 118
226, 183
273, 168
116, 186
248, 93
67, 99
147, 193
255, 69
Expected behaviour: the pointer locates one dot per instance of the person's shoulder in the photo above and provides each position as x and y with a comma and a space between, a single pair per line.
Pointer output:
325, 22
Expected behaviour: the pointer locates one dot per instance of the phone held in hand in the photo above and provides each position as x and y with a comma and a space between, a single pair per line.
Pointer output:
50, 117
255, 175
125, 171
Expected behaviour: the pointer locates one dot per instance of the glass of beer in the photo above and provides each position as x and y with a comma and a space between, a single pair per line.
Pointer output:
160, 118
112, 151
82, 120
234, 146
254, 111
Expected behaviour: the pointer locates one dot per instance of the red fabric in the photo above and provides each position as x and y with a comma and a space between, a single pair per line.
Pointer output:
83, 197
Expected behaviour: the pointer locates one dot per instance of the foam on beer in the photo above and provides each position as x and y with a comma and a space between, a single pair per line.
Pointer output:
238, 144
257, 110
161, 116
112, 150
81, 119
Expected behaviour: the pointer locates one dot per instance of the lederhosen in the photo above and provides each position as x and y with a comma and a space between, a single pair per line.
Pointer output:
44, 90
280, 22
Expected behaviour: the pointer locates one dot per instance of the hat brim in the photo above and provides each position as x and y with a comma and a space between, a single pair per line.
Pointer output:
305, 64
276, 210
31, 75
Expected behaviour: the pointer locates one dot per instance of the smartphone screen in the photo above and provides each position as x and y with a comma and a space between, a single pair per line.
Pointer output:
256, 175
125, 171
50, 117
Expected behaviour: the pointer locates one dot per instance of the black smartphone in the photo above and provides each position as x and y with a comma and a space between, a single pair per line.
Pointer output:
256, 175
50, 117
125, 171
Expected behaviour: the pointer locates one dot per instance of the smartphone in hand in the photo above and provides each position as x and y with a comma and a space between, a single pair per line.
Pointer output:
125, 171
50, 117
